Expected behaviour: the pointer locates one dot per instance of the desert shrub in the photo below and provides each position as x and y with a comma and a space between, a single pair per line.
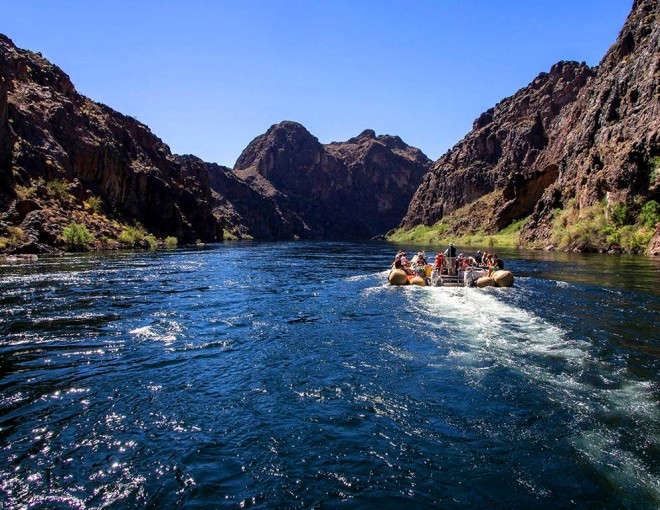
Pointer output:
26, 191
16, 236
634, 239
131, 235
655, 166
151, 241
94, 204
620, 214
171, 242
228, 236
57, 187
649, 216
76, 235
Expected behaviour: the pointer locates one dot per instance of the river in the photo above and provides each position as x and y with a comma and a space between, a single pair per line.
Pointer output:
289, 375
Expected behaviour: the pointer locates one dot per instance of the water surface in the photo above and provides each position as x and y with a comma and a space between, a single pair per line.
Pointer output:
290, 376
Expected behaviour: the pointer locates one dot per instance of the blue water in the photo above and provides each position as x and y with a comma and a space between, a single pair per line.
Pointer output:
290, 376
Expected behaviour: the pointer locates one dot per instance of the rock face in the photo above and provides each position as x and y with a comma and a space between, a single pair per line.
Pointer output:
500, 153
51, 133
574, 135
608, 138
59, 150
343, 190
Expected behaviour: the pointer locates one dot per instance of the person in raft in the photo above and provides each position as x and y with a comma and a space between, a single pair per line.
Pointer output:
401, 262
495, 264
439, 261
450, 251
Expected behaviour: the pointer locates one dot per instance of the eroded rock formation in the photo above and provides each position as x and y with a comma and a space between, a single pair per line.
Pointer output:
575, 136
500, 153
50, 133
65, 158
342, 190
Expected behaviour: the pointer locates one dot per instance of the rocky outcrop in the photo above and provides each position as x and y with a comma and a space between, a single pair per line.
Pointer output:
607, 140
61, 136
384, 172
7, 137
343, 190
574, 137
61, 152
501, 153
248, 209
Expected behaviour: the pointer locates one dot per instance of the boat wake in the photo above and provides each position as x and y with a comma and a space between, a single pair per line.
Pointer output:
482, 332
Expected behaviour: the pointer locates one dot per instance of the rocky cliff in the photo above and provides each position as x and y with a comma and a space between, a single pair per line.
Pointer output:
608, 142
66, 159
575, 144
342, 190
58, 149
500, 153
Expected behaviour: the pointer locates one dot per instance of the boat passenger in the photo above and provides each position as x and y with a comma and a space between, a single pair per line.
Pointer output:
493, 264
477, 258
397, 257
439, 261
450, 251
398, 264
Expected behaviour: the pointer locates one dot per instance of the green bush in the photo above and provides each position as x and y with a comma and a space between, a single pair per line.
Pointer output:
76, 235
620, 214
152, 242
228, 236
171, 242
94, 204
57, 187
650, 214
131, 235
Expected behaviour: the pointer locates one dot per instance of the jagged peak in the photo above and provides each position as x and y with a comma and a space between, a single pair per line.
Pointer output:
6, 40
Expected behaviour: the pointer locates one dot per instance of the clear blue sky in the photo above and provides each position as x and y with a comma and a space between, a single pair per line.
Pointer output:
209, 76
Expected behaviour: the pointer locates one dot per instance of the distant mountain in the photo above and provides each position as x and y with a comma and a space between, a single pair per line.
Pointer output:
343, 190
577, 150
66, 159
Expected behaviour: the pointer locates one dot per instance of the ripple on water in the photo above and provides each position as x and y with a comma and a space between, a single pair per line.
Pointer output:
187, 378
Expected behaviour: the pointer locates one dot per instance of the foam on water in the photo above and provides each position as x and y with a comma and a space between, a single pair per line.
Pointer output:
481, 327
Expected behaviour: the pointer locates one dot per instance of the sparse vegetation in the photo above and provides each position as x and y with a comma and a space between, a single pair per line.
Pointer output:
226, 236
15, 237
655, 166
627, 227
57, 187
76, 236
132, 235
151, 241
620, 214
649, 216
444, 232
170, 242
94, 204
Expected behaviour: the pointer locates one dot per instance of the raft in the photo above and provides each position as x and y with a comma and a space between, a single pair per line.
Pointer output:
503, 278
398, 277
417, 280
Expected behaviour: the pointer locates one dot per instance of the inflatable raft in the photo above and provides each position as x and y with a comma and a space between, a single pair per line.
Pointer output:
451, 277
